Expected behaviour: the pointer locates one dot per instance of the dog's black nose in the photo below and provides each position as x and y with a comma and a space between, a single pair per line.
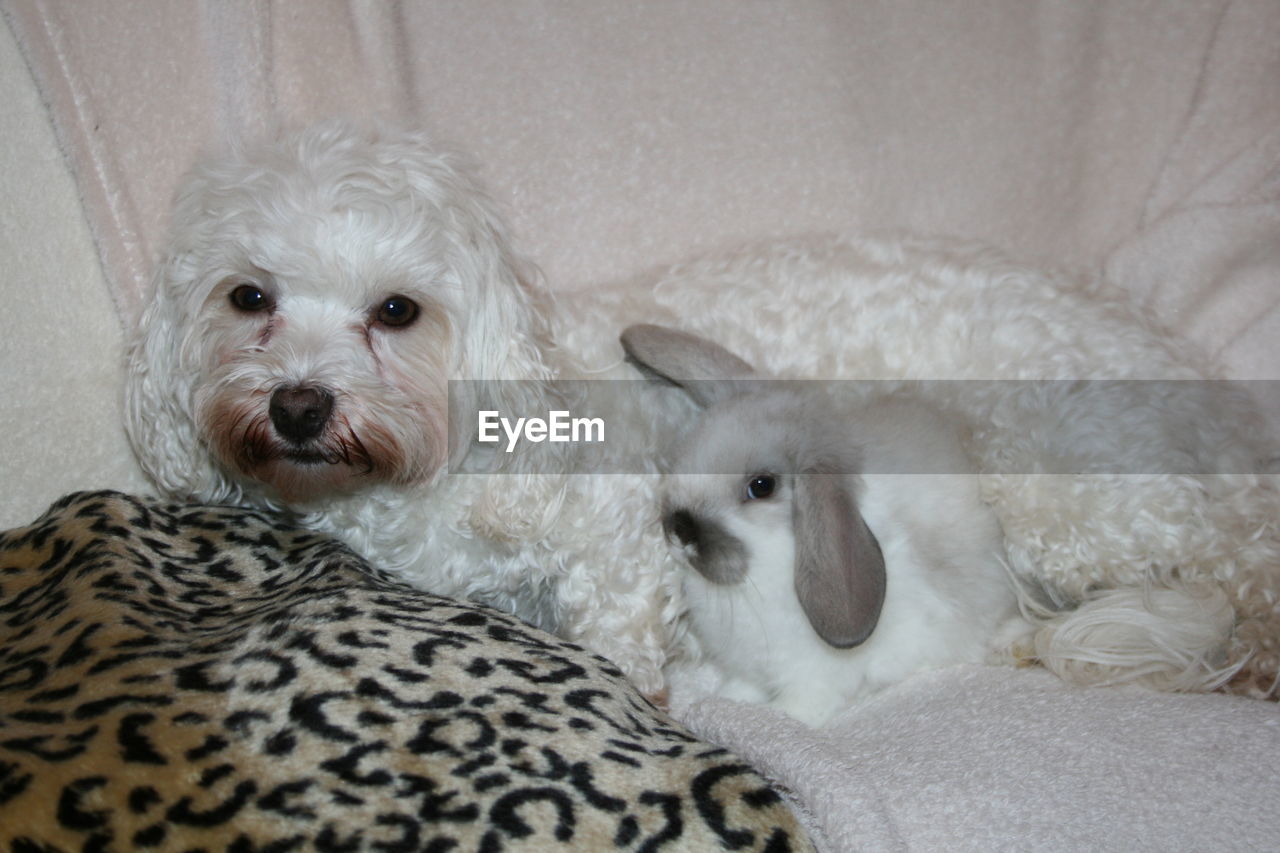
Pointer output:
300, 413
682, 525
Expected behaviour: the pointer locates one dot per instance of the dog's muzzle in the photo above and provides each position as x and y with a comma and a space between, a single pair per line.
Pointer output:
300, 413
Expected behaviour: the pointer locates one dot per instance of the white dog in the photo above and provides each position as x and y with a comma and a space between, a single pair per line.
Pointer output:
316, 296
314, 301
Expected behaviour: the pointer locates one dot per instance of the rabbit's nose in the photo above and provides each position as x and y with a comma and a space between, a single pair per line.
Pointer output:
682, 525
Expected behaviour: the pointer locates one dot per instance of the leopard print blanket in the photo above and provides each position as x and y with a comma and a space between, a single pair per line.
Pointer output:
201, 678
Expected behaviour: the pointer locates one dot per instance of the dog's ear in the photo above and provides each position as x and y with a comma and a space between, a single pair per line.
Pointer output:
507, 338
159, 391
839, 569
505, 335
706, 371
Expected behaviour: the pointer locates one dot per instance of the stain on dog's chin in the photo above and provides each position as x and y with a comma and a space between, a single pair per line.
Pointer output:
302, 479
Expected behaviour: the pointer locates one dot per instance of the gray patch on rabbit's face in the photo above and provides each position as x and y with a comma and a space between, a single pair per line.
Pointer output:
713, 551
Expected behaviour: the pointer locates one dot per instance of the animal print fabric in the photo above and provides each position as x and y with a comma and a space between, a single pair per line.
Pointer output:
199, 678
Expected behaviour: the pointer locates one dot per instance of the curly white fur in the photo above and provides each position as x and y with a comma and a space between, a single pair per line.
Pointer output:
330, 223
1125, 561
325, 228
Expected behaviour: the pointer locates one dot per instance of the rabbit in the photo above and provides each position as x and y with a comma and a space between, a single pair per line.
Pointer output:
838, 546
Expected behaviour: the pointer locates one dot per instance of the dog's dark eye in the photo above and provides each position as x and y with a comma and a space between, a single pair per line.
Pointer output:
249, 297
761, 486
397, 311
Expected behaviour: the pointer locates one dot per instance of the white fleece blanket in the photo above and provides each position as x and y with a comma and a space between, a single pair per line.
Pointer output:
1139, 140
987, 759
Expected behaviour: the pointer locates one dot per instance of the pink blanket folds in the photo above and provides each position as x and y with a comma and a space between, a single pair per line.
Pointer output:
1139, 139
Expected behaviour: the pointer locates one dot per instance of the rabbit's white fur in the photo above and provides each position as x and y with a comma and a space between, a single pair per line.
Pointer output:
1157, 558
947, 597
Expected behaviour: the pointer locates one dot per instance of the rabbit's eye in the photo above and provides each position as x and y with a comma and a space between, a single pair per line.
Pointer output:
761, 486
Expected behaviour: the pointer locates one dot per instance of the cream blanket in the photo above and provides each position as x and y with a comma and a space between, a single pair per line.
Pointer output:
1135, 140
986, 759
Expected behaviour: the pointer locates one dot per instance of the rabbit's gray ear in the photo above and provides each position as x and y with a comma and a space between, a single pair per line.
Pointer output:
705, 370
840, 576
